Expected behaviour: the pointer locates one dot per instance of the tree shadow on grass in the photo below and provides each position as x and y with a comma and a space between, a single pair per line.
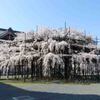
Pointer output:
7, 92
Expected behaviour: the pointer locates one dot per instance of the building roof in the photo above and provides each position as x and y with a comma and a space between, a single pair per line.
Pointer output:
8, 34
2, 30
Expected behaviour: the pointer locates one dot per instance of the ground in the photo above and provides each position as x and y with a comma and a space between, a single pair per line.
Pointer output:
48, 91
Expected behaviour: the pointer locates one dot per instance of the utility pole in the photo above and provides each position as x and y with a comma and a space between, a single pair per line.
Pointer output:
96, 42
65, 25
69, 46
37, 29
25, 44
84, 45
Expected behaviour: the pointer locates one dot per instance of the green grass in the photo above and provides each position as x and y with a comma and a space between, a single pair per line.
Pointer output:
15, 82
21, 83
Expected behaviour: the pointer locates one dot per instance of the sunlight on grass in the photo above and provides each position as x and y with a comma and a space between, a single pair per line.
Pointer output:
16, 83
20, 83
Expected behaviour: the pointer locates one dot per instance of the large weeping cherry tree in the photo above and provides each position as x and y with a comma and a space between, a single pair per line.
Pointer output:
55, 53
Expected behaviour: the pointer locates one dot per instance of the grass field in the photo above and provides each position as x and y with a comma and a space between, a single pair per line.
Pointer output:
28, 83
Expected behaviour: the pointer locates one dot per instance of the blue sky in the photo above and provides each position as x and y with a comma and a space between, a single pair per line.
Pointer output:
25, 15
